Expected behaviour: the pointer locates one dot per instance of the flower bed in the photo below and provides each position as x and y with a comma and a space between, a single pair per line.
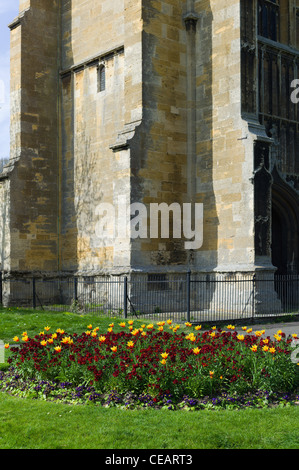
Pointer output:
155, 364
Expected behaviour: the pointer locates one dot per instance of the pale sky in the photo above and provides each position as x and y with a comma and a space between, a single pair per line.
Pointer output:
9, 9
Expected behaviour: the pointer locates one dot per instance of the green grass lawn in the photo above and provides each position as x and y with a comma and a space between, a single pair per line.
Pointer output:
13, 321
37, 424
32, 424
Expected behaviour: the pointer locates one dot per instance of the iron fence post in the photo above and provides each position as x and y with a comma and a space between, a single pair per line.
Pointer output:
188, 294
253, 298
1, 291
125, 297
33, 293
75, 289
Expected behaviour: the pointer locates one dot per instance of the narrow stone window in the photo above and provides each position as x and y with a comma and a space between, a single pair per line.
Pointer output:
101, 78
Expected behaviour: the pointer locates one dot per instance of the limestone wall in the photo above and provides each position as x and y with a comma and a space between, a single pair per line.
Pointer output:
224, 146
193, 145
5, 225
178, 109
33, 165
166, 128
92, 122
159, 147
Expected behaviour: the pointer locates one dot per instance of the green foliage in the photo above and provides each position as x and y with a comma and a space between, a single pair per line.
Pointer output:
159, 360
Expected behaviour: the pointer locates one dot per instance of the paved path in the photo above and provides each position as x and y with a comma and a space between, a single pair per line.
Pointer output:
271, 328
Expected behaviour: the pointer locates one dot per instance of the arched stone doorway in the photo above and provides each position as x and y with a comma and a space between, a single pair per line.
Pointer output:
285, 227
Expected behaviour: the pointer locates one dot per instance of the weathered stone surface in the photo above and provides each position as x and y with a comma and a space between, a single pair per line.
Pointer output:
169, 126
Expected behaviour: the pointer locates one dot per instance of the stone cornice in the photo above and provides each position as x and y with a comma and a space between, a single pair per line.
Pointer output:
18, 20
93, 61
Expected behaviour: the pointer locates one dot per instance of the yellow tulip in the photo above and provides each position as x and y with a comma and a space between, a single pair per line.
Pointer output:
191, 337
66, 340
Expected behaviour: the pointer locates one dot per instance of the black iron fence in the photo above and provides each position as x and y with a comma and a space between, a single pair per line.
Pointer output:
195, 297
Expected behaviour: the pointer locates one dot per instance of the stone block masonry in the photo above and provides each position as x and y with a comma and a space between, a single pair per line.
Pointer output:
140, 100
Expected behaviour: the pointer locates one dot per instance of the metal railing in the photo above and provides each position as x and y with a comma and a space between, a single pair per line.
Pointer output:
194, 297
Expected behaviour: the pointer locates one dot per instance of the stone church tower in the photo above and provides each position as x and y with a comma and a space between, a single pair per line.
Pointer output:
156, 101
